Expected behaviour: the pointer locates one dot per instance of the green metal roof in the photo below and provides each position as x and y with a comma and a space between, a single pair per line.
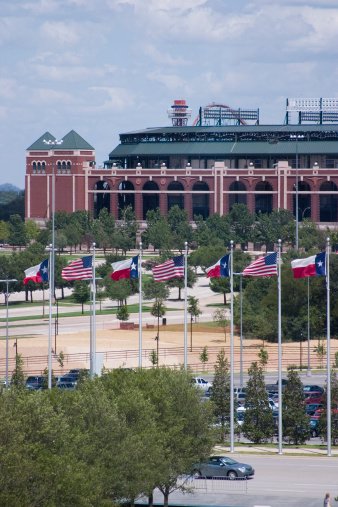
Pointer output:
289, 129
72, 141
225, 149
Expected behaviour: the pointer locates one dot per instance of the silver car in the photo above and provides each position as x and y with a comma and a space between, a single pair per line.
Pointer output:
222, 466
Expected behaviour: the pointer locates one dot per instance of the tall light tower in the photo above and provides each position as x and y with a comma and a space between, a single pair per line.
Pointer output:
52, 144
179, 113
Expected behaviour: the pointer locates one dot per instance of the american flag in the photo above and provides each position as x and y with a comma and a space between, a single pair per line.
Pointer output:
80, 269
169, 269
264, 266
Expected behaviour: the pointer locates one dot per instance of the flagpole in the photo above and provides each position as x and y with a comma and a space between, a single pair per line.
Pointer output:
308, 373
91, 330
328, 381
241, 329
231, 348
140, 308
185, 302
94, 313
280, 421
50, 319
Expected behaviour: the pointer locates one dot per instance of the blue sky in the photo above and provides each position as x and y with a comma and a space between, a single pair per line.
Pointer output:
109, 66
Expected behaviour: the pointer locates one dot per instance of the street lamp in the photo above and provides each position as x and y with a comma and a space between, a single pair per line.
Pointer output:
304, 211
7, 282
296, 137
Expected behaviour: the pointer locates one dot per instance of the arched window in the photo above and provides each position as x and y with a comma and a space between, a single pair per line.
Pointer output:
39, 168
235, 198
34, 167
151, 200
263, 201
101, 198
59, 167
176, 199
43, 165
304, 201
126, 199
328, 202
68, 167
200, 201
63, 167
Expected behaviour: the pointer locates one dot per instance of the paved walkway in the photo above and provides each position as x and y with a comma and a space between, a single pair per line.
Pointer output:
260, 449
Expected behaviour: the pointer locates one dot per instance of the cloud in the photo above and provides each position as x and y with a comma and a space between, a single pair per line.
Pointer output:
119, 98
61, 32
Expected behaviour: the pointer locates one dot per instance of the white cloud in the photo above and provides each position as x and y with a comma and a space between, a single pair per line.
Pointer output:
119, 98
61, 32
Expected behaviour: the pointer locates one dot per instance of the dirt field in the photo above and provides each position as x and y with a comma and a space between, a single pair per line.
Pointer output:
121, 348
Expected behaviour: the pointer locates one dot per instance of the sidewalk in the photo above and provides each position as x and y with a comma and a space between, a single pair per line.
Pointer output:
302, 450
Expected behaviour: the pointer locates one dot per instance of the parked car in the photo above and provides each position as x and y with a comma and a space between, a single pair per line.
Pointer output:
65, 384
222, 466
238, 390
68, 378
307, 389
201, 383
313, 397
34, 382
314, 421
273, 404
241, 398
311, 408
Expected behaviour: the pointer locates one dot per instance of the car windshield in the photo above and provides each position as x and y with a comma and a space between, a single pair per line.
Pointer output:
228, 461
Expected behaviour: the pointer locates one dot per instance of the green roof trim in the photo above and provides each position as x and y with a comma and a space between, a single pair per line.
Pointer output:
226, 149
71, 141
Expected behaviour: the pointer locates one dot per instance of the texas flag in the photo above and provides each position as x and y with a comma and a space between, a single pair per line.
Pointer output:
311, 266
125, 269
221, 268
38, 273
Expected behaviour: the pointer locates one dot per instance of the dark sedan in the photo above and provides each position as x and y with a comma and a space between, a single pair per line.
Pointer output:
222, 466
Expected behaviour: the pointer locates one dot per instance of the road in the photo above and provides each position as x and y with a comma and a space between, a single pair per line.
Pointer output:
280, 481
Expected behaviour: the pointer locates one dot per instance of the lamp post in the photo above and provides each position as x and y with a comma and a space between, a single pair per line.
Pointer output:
7, 282
296, 137
304, 211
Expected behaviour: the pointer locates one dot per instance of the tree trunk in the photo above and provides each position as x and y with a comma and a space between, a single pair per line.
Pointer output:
179, 293
225, 298
166, 497
151, 500
82, 308
31, 296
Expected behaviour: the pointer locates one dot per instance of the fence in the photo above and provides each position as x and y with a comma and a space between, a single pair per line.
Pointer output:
219, 485
174, 356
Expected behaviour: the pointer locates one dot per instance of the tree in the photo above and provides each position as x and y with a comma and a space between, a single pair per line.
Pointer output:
181, 230
17, 232
184, 423
122, 313
179, 282
18, 376
194, 311
153, 357
158, 232
258, 425
296, 429
4, 231
219, 316
322, 426
61, 359
204, 357
241, 221
81, 292
32, 228
220, 392
45, 379
263, 357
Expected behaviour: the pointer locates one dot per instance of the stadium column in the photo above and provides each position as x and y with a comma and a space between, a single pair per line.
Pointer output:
138, 205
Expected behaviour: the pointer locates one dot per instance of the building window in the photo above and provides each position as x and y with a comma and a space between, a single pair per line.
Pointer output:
151, 201
43, 165
200, 201
236, 198
175, 199
63, 167
68, 167
39, 168
328, 202
263, 201
59, 167
329, 163
34, 167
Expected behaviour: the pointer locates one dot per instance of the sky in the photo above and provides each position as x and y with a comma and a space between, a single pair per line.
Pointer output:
104, 67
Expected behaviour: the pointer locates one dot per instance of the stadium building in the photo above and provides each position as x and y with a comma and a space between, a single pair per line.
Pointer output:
205, 168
